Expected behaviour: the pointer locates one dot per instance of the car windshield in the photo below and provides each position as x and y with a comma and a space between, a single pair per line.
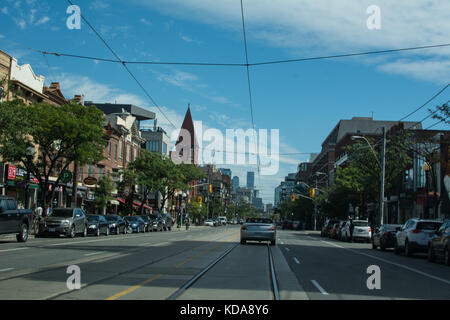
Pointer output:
361, 223
63, 213
428, 225
111, 218
259, 220
131, 218
92, 218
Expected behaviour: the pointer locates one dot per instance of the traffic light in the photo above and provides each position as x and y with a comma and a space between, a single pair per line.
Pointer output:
210, 188
312, 193
292, 197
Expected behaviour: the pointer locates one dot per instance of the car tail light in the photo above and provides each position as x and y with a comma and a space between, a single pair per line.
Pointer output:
272, 228
370, 229
243, 228
416, 231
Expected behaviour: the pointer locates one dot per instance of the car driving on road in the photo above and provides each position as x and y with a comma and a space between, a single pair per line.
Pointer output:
258, 229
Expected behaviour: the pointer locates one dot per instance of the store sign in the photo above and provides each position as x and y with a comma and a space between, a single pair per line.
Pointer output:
90, 180
12, 172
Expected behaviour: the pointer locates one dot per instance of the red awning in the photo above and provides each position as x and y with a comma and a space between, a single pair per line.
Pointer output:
121, 200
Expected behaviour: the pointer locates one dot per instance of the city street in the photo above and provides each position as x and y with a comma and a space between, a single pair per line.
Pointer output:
154, 266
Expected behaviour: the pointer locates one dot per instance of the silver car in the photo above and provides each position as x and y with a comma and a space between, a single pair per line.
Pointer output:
258, 229
66, 221
414, 235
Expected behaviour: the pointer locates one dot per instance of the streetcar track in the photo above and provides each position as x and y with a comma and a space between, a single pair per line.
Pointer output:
199, 275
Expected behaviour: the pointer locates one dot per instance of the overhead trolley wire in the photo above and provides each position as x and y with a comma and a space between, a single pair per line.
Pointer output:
125, 66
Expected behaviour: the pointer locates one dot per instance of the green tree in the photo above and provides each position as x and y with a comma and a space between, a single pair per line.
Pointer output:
103, 192
58, 136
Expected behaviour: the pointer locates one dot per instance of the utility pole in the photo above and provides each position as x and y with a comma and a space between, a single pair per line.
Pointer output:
383, 173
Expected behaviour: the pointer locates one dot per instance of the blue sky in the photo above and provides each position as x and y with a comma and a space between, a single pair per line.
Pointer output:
303, 100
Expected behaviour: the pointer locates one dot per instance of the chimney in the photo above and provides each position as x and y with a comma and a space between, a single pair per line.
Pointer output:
78, 99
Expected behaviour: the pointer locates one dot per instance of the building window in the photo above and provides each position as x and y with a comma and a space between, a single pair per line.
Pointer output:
109, 149
91, 170
135, 153
115, 151
153, 146
100, 171
164, 148
120, 149
128, 152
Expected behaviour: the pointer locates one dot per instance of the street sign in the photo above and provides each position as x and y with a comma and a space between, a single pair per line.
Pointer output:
66, 176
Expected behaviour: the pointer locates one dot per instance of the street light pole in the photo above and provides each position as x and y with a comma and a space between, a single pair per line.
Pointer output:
382, 167
383, 173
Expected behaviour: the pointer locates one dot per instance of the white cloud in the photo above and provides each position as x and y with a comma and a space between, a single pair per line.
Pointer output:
43, 20
4, 10
432, 70
101, 92
145, 21
99, 5
307, 28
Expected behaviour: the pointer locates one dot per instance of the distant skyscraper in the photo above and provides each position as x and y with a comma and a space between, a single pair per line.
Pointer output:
250, 180
234, 184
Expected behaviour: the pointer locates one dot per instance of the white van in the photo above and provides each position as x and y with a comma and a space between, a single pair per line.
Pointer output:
223, 220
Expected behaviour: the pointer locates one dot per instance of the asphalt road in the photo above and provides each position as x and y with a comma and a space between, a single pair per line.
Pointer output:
153, 266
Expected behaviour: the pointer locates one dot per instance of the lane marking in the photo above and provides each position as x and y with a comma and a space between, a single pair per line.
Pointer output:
133, 288
94, 253
7, 269
333, 244
322, 290
395, 264
16, 249
296, 260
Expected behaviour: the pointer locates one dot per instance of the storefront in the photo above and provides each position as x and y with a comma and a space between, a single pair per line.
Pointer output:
16, 185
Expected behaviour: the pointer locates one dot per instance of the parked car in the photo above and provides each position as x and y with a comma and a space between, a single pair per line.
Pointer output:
147, 222
415, 235
327, 227
333, 230
13, 220
157, 222
97, 225
223, 220
361, 231
339, 229
259, 229
217, 222
241, 221
116, 224
209, 222
384, 236
135, 223
66, 221
287, 224
167, 221
296, 225
439, 245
